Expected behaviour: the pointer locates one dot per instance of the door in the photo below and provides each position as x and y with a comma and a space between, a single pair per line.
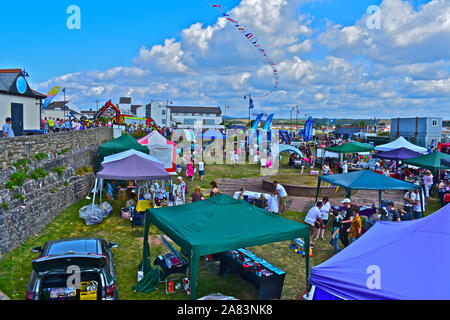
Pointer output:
17, 118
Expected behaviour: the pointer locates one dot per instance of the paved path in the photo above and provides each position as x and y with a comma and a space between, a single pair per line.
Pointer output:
303, 204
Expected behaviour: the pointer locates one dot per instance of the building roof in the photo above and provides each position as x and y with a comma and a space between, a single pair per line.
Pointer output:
8, 77
59, 106
208, 110
125, 100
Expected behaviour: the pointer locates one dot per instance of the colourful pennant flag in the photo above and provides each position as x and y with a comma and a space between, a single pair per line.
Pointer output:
50, 96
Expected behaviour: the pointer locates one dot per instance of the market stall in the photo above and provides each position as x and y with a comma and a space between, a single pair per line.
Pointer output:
162, 149
215, 226
401, 143
133, 167
430, 161
347, 148
272, 201
366, 180
121, 144
392, 261
399, 154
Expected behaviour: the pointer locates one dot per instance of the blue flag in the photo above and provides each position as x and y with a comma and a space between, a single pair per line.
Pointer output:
251, 104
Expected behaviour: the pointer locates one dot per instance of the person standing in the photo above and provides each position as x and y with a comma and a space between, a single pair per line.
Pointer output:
214, 189
417, 206
391, 214
428, 182
337, 224
51, 125
197, 195
346, 222
181, 192
282, 197
45, 126
356, 226
7, 129
314, 219
408, 205
201, 170
325, 211
345, 167
190, 171
442, 191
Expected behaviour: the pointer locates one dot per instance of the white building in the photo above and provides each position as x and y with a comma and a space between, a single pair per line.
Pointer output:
59, 110
19, 102
125, 105
189, 117
160, 113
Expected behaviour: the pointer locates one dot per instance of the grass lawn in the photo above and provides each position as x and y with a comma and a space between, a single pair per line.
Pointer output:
15, 267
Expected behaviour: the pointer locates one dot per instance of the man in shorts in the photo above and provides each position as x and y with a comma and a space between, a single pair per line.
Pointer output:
201, 170
314, 219
282, 197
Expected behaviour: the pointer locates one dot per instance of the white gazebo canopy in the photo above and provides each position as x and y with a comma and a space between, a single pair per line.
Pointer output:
401, 143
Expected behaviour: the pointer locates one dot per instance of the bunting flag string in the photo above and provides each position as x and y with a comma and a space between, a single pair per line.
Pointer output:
253, 40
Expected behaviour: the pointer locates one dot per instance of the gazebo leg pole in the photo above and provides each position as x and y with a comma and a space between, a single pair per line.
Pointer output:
95, 191
379, 196
194, 264
319, 182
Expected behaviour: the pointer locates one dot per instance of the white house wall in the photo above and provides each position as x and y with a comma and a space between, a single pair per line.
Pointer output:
31, 110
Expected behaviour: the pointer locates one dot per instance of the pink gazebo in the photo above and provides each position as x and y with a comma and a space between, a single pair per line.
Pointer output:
162, 149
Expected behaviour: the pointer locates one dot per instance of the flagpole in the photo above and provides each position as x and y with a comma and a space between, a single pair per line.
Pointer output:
64, 103
249, 109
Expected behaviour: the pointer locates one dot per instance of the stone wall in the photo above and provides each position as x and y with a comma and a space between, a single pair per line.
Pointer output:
305, 191
81, 145
49, 196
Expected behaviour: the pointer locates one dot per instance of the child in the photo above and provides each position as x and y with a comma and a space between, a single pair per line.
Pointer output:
335, 231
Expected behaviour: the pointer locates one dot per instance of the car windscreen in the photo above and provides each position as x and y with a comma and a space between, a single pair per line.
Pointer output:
77, 246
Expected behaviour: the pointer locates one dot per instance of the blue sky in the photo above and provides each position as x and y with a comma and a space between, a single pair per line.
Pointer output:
179, 50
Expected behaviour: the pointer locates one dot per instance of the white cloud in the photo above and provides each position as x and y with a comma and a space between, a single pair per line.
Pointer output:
167, 58
363, 72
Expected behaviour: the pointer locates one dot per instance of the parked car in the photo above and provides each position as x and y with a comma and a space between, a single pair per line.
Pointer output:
53, 271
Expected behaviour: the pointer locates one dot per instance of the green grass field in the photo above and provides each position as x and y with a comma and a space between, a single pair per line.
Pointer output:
15, 267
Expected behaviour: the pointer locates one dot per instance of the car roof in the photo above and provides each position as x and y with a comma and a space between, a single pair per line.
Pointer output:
79, 245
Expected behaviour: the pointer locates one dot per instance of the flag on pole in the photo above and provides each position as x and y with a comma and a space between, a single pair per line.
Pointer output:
50, 96
251, 104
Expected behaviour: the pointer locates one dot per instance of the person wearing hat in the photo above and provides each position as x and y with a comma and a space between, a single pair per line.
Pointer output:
7, 129
346, 222
390, 213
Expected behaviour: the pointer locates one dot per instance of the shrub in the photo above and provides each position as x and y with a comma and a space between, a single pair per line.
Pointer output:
19, 177
38, 173
53, 191
59, 170
20, 197
64, 151
5, 206
10, 185
40, 156
22, 163
66, 183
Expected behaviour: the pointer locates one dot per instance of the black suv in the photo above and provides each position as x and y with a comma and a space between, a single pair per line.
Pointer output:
53, 272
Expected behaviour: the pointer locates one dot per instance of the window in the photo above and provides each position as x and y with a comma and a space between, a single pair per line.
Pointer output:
209, 122
189, 121
164, 112
434, 122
